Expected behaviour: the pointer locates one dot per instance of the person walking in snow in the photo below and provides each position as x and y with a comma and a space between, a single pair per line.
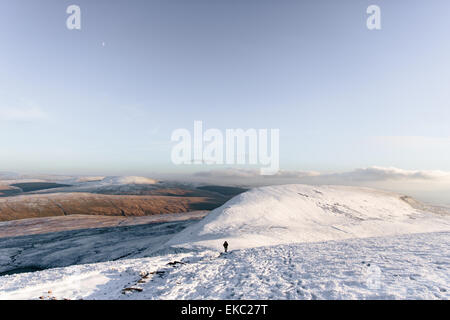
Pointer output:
225, 246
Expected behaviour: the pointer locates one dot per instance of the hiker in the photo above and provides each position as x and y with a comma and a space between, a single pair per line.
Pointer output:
225, 246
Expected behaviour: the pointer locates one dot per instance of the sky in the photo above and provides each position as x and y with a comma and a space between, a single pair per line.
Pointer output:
105, 99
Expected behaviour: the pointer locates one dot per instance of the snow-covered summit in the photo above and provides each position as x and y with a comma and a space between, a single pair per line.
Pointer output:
129, 180
300, 213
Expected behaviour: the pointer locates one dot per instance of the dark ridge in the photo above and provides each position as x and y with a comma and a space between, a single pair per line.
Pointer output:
227, 191
21, 270
9, 193
207, 205
35, 186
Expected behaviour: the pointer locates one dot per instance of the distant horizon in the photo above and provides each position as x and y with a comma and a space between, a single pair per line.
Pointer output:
428, 186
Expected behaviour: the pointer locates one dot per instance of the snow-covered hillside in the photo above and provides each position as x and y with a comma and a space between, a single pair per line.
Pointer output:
410, 266
300, 213
286, 242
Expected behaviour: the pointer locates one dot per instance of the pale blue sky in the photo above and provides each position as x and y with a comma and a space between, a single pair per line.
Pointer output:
342, 96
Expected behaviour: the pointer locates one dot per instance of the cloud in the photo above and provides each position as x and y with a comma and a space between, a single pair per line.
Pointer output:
249, 173
390, 173
284, 174
22, 114
413, 142
360, 175
8, 175
90, 179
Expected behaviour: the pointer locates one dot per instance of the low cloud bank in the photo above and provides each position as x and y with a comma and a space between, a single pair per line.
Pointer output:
427, 185
370, 174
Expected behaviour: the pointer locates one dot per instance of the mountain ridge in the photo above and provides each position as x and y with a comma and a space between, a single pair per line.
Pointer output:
301, 213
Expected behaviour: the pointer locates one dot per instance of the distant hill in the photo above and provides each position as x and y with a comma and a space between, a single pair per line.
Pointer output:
300, 213
60, 204
229, 191
108, 196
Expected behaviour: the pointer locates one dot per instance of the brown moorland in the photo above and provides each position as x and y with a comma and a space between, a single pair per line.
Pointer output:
76, 203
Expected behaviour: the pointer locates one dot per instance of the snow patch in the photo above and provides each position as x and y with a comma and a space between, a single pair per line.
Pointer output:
130, 180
